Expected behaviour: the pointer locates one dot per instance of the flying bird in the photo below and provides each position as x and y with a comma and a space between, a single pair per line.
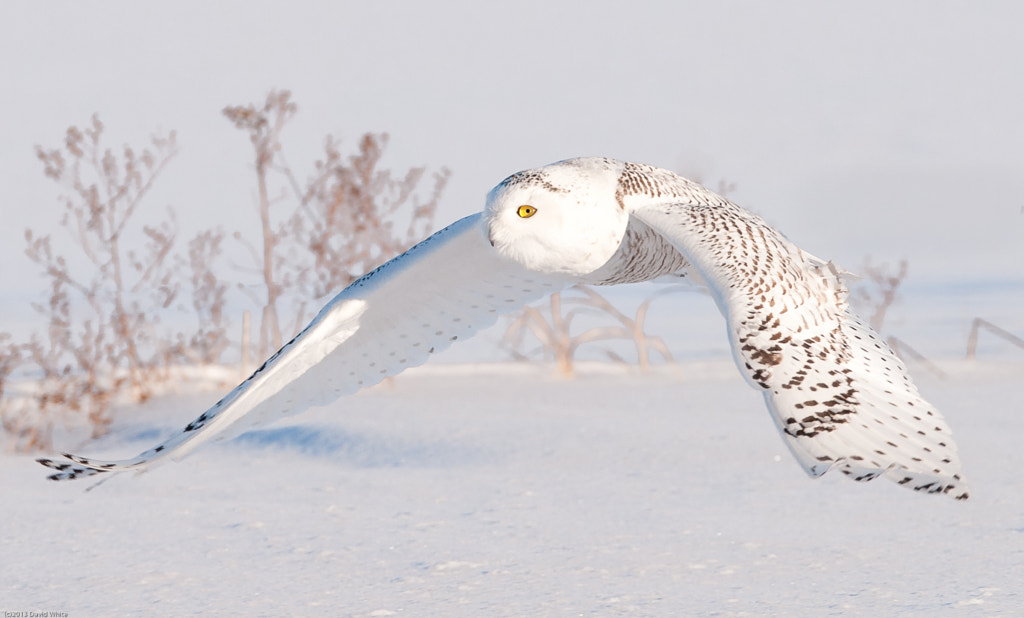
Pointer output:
838, 394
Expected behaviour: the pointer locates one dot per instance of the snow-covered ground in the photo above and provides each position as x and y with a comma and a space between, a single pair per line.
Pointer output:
498, 490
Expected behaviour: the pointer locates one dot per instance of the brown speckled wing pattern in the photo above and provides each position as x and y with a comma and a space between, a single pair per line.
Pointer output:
839, 394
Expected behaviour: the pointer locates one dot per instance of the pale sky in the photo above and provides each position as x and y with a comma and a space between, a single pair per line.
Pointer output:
890, 129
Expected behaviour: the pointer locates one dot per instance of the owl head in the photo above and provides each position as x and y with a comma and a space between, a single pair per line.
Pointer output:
562, 219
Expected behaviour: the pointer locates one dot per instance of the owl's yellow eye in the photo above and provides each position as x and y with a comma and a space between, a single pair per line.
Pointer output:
526, 211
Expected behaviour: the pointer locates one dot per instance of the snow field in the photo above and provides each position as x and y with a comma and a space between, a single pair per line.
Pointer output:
498, 490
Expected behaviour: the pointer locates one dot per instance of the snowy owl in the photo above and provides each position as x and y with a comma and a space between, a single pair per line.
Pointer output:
838, 394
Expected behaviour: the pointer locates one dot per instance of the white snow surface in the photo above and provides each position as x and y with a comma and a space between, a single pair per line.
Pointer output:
502, 490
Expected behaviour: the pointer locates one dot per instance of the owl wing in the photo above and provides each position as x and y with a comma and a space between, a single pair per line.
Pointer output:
445, 288
838, 393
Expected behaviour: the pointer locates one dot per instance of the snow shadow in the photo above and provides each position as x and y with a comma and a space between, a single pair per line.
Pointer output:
361, 450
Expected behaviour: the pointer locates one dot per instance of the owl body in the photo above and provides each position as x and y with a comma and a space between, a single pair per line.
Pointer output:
838, 394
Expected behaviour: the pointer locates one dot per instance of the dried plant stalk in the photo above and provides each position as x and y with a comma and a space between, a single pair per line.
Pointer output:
102, 337
553, 329
879, 296
341, 222
976, 327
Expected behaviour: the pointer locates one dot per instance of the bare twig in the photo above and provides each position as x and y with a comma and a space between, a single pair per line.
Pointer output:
904, 351
264, 126
102, 337
878, 300
554, 331
343, 221
977, 325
